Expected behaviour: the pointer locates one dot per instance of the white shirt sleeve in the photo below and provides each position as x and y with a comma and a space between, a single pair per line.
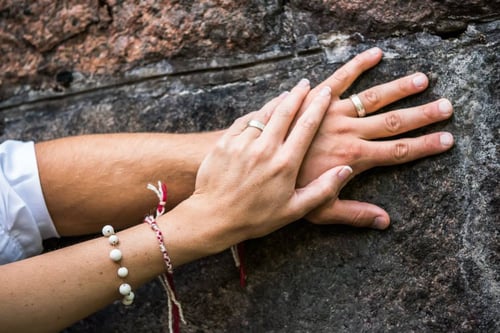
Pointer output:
24, 218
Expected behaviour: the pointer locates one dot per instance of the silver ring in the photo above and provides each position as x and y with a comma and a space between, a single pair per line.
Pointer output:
360, 108
256, 124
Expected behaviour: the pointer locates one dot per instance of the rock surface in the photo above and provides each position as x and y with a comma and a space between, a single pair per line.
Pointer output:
107, 66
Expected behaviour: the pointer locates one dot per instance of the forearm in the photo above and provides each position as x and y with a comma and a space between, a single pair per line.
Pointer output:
91, 180
51, 291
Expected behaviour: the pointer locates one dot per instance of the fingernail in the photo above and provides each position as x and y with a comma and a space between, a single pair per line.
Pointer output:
284, 93
374, 51
446, 139
445, 107
325, 91
344, 172
304, 83
419, 81
379, 223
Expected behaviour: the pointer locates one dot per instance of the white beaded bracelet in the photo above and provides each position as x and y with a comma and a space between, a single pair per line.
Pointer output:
116, 255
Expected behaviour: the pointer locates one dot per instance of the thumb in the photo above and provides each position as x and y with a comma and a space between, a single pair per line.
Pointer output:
323, 189
350, 212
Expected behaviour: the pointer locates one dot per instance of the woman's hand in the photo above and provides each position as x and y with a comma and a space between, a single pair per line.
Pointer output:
344, 138
247, 184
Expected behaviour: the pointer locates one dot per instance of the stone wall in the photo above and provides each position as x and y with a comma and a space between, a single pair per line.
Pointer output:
73, 67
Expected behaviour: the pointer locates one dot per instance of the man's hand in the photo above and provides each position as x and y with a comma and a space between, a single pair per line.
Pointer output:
345, 139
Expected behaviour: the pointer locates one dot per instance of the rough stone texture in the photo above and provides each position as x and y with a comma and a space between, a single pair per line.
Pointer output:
436, 269
80, 43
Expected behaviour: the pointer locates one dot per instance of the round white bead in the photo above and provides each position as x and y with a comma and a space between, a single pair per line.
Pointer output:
115, 255
125, 289
126, 301
122, 272
113, 239
108, 230
129, 297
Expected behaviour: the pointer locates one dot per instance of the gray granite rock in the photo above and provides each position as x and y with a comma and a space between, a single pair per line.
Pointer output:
437, 269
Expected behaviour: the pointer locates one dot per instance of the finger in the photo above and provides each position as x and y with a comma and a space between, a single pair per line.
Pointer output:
343, 77
307, 125
262, 116
233, 133
375, 98
401, 121
399, 151
321, 190
238, 125
284, 113
350, 212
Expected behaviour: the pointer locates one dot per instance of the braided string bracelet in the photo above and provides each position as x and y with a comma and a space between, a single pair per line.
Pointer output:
238, 252
175, 313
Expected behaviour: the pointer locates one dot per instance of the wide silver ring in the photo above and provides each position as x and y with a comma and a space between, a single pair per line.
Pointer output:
256, 124
360, 108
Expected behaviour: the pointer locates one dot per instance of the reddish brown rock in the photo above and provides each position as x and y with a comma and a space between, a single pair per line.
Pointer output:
100, 37
39, 39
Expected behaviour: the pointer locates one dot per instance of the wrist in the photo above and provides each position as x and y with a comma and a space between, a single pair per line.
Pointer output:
193, 230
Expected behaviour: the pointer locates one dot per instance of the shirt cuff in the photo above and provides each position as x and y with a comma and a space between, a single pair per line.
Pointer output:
23, 160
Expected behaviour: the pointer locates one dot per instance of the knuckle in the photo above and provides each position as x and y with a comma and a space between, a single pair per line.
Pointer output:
326, 192
268, 113
393, 122
284, 111
427, 144
372, 97
358, 218
355, 153
221, 145
233, 149
341, 75
309, 123
404, 86
283, 164
342, 126
241, 121
400, 151
350, 153
428, 112
256, 152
